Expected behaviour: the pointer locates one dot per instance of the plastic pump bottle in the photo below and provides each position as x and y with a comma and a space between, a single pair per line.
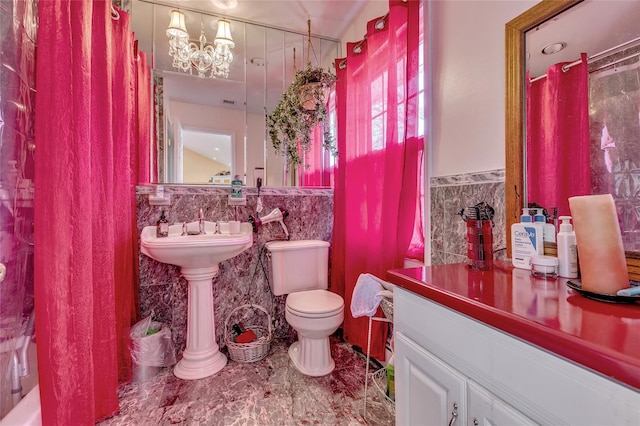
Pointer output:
525, 217
567, 249
548, 230
526, 240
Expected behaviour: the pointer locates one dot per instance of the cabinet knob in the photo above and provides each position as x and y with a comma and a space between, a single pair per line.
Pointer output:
454, 413
475, 422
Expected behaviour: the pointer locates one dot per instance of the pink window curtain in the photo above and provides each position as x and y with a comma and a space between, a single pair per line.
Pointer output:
318, 168
85, 262
379, 159
558, 137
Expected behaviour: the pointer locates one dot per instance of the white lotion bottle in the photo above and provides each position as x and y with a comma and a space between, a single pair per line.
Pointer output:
567, 249
548, 230
526, 241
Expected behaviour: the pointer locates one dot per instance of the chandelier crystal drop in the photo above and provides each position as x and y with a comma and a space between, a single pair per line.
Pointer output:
204, 58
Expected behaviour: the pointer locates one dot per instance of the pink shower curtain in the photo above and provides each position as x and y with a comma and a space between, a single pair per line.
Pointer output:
86, 169
558, 137
379, 161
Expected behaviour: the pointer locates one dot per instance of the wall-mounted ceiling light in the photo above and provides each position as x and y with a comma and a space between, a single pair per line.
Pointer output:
203, 57
225, 4
552, 48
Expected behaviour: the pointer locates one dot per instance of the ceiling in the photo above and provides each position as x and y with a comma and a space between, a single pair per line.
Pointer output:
591, 26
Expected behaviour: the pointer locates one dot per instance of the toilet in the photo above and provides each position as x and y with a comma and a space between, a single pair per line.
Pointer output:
299, 269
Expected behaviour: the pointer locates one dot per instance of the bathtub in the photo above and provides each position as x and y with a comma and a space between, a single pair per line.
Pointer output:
27, 412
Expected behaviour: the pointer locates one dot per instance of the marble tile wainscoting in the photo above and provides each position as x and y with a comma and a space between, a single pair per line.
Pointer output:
163, 292
450, 194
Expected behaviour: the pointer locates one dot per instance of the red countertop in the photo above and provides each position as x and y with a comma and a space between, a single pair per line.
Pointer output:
604, 337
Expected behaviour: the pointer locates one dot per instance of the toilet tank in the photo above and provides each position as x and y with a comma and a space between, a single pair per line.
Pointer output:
298, 266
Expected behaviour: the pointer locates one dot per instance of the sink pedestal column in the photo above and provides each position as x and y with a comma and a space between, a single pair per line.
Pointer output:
202, 357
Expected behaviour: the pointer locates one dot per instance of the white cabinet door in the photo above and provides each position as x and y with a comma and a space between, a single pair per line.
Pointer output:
428, 392
486, 409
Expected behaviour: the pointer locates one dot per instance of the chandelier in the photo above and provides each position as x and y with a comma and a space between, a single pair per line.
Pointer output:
205, 58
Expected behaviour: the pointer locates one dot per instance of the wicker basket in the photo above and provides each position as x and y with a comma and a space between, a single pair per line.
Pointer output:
387, 308
252, 351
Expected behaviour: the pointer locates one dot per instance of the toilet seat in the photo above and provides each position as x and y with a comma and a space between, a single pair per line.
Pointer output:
314, 304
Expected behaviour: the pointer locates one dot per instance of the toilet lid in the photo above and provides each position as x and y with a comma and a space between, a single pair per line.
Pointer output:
314, 303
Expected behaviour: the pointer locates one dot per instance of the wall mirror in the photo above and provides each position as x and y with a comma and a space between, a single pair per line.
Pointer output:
523, 36
200, 116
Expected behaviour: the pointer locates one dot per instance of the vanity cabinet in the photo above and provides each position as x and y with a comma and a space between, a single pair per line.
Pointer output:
486, 409
428, 392
433, 393
452, 369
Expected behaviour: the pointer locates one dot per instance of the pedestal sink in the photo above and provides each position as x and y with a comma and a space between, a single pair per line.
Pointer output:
198, 256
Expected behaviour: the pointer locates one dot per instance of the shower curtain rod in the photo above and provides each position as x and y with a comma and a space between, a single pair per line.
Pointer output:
592, 58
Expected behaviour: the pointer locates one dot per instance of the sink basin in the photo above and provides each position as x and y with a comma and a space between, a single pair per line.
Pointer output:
195, 251
198, 257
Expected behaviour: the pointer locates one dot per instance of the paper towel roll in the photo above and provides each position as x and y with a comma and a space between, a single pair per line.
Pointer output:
603, 266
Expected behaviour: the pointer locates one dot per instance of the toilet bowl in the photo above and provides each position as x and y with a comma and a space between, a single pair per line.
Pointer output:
315, 315
299, 269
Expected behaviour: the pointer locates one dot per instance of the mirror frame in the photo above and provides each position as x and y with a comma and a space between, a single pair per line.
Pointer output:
515, 51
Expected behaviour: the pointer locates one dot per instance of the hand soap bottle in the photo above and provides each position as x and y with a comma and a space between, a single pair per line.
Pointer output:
236, 187
548, 230
526, 240
567, 249
162, 226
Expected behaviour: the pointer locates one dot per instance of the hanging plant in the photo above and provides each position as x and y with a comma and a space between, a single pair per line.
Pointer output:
301, 108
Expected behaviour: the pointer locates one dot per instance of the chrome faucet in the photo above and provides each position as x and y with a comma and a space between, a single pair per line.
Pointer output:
185, 230
201, 222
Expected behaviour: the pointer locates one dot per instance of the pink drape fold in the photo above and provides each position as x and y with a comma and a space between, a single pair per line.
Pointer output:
318, 164
145, 118
376, 187
85, 262
557, 136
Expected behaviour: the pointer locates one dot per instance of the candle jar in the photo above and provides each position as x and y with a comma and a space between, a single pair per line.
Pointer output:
479, 243
544, 266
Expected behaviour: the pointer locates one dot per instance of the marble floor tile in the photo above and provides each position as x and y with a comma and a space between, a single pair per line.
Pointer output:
266, 392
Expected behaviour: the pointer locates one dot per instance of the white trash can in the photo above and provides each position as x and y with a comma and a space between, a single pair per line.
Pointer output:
151, 349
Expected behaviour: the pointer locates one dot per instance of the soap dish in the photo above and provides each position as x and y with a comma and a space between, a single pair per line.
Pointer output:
237, 201
611, 298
